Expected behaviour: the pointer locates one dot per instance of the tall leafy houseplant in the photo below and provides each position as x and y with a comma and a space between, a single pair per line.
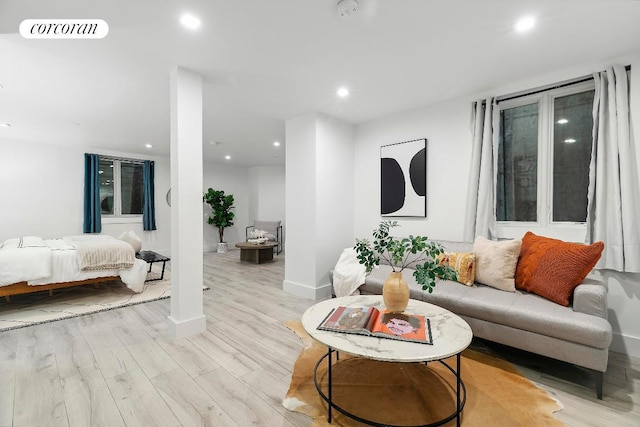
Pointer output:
221, 205
400, 253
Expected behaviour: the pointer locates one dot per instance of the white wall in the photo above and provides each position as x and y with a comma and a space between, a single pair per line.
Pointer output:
232, 180
300, 268
42, 189
335, 193
267, 193
42, 192
447, 128
319, 203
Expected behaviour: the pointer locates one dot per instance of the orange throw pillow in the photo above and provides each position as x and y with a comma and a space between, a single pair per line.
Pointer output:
552, 268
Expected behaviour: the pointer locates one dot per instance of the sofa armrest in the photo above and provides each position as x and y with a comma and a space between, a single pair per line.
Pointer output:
590, 297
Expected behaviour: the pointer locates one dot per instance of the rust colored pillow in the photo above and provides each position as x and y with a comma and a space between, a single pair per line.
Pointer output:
552, 268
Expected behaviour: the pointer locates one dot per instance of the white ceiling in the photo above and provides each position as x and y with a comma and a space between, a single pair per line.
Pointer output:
266, 61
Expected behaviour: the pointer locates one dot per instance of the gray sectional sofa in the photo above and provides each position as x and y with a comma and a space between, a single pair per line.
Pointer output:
579, 334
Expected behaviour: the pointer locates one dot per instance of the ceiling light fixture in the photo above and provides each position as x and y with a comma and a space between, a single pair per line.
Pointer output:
347, 8
342, 92
563, 121
148, 145
190, 21
227, 157
525, 24
276, 144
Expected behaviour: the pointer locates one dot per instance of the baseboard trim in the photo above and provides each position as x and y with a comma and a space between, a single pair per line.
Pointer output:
186, 328
625, 344
305, 291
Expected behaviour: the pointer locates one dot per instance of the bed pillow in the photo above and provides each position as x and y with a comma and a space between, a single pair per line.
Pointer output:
463, 263
553, 268
496, 262
132, 238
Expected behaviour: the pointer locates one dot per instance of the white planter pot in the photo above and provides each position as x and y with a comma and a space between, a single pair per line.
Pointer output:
222, 248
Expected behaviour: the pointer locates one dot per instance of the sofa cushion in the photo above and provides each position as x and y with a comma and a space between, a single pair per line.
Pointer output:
496, 262
452, 246
464, 265
552, 268
521, 310
374, 281
518, 309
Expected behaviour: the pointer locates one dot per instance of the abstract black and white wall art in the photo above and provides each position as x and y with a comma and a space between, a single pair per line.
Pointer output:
403, 179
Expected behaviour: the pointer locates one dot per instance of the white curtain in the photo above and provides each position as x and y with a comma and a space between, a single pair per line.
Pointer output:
613, 209
480, 216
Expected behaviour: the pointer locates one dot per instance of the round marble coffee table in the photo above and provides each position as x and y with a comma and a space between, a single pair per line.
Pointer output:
450, 333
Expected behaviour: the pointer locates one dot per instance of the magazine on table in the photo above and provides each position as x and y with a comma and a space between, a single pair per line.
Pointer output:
382, 324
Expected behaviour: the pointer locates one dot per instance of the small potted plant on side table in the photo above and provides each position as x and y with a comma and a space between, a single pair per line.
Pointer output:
400, 253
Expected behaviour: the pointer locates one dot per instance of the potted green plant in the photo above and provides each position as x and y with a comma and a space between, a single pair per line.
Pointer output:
221, 215
399, 253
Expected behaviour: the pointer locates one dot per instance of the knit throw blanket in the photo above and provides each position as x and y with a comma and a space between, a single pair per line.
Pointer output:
102, 252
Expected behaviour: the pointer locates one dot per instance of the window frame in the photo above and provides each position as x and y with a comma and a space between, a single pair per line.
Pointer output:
545, 224
118, 217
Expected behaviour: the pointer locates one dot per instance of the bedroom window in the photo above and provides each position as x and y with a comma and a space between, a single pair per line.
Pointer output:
544, 151
121, 187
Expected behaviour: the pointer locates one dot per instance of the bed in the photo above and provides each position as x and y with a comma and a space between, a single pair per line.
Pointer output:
33, 264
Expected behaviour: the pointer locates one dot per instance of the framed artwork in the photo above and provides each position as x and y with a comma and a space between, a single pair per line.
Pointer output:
403, 179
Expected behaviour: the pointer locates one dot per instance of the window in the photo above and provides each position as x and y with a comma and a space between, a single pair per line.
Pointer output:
544, 151
121, 187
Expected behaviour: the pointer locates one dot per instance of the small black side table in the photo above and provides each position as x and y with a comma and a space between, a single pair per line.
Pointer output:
150, 257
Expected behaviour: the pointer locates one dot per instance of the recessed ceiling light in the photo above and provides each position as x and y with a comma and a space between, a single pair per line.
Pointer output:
525, 24
190, 21
227, 157
276, 144
569, 140
148, 145
5, 125
342, 92
563, 121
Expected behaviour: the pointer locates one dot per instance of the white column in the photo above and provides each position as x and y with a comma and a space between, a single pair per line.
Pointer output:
319, 201
186, 316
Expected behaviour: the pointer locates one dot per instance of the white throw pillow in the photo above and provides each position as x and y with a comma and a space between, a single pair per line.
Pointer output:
132, 238
496, 262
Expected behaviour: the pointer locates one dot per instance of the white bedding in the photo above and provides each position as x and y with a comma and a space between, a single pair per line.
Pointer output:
57, 261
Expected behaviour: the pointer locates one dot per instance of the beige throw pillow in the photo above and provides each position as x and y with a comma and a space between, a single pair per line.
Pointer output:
496, 262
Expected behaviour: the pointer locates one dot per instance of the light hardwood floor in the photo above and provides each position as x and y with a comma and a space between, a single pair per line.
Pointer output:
120, 368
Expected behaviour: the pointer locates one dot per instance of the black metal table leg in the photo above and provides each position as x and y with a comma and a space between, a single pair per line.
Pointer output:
458, 376
329, 385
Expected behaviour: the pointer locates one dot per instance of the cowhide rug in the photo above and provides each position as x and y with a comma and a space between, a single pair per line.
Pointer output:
411, 394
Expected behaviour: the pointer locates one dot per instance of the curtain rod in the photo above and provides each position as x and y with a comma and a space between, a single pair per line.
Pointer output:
550, 87
128, 160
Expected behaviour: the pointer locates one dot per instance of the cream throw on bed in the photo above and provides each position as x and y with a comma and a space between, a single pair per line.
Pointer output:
102, 252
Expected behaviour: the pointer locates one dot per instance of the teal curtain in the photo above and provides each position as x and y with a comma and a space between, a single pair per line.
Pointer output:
92, 220
149, 209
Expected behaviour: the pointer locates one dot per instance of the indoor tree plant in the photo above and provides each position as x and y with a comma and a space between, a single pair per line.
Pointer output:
400, 253
221, 215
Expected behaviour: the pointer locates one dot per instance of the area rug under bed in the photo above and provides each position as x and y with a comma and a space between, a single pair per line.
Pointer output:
39, 307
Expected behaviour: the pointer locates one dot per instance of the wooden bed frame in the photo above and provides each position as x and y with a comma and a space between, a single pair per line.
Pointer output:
23, 288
